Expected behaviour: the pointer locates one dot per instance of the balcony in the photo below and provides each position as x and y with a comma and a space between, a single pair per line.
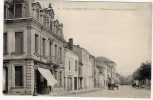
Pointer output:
54, 60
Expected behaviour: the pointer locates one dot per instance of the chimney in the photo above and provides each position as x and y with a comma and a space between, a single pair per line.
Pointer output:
71, 43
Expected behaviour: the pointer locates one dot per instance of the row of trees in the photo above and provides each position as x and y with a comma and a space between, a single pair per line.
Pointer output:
143, 72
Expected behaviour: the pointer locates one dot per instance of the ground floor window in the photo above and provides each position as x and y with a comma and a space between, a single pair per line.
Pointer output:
18, 76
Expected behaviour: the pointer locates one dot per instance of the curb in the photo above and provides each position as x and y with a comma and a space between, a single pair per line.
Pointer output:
76, 92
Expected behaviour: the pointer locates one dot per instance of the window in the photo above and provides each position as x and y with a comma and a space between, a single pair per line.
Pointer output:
5, 42
43, 46
55, 51
4, 11
76, 65
19, 42
69, 65
44, 20
60, 54
50, 49
84, 57
18, 11
56, 75
51, 25
36, 44
37, 15
18, 76
60, 78
51, 71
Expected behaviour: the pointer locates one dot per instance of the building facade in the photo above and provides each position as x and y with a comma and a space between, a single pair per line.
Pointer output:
85, 68
71, 68
102, 73
110, 67
32, 39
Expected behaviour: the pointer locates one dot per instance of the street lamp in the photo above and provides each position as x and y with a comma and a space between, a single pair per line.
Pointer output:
35, 85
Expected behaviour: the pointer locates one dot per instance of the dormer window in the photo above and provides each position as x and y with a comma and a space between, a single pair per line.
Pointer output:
18, 11
51, 25
14, 9
37, 15
44, 22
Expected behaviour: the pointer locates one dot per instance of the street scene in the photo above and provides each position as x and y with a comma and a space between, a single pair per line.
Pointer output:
124, 92
77, 49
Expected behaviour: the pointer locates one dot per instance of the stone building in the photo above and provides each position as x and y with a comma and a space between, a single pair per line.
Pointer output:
33, 47
71, 67
85, 68
102, 67
110, 69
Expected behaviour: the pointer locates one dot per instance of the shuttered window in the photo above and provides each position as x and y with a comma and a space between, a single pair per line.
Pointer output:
60, 54
18, 76
51, 25
5, 42
76, 65
44, 20
36, 44
60, 78
5, 12
55, 51
18, 11
50, 49
69, 65
37, 15
43, 46
19, 42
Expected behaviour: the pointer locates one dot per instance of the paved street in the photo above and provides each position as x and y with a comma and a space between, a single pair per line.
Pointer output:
123, 92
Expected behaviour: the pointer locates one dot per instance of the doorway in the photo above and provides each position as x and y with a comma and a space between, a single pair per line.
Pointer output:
75, 83
5, 76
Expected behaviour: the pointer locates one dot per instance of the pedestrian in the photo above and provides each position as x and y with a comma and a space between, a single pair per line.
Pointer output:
109, 86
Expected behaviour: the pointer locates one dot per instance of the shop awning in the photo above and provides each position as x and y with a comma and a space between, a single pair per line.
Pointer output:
48, 76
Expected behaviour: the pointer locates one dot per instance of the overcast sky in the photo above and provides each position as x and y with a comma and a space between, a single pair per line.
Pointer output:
122, 35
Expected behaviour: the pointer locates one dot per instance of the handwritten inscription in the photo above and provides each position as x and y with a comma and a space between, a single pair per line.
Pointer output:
102, 9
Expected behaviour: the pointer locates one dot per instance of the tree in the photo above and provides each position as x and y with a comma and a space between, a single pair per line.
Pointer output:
143, 72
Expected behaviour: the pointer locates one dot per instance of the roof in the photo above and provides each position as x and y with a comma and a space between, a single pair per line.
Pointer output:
104, 59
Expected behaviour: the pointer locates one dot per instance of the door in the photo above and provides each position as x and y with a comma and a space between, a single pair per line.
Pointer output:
75, 83
69, 83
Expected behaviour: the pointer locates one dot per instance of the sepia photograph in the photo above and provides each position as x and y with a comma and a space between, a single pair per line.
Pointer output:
62, 48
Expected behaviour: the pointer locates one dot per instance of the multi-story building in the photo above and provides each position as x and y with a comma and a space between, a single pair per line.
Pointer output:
85, 68
110, 69
102, 72
33, 47
117, 78
71, 67
96, 76
92, 64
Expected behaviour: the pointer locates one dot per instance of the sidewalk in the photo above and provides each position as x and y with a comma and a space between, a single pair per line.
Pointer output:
71, 92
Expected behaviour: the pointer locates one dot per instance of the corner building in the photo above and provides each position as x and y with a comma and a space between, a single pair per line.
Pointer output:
32, 40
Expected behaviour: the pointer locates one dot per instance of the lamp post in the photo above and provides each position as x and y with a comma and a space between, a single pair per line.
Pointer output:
35, 85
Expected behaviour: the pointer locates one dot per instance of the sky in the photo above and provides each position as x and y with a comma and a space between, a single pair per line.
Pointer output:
118, 31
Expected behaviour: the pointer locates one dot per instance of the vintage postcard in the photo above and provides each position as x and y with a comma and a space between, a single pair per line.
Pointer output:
77, 49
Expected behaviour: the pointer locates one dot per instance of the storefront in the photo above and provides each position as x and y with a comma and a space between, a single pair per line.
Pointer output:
44, 80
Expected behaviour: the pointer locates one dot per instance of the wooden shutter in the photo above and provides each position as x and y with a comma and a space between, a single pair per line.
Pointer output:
19, 42
5, 42
18, 11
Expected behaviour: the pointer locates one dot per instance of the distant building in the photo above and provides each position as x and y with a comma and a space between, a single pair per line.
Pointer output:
111, 69
102, 67
117, 78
